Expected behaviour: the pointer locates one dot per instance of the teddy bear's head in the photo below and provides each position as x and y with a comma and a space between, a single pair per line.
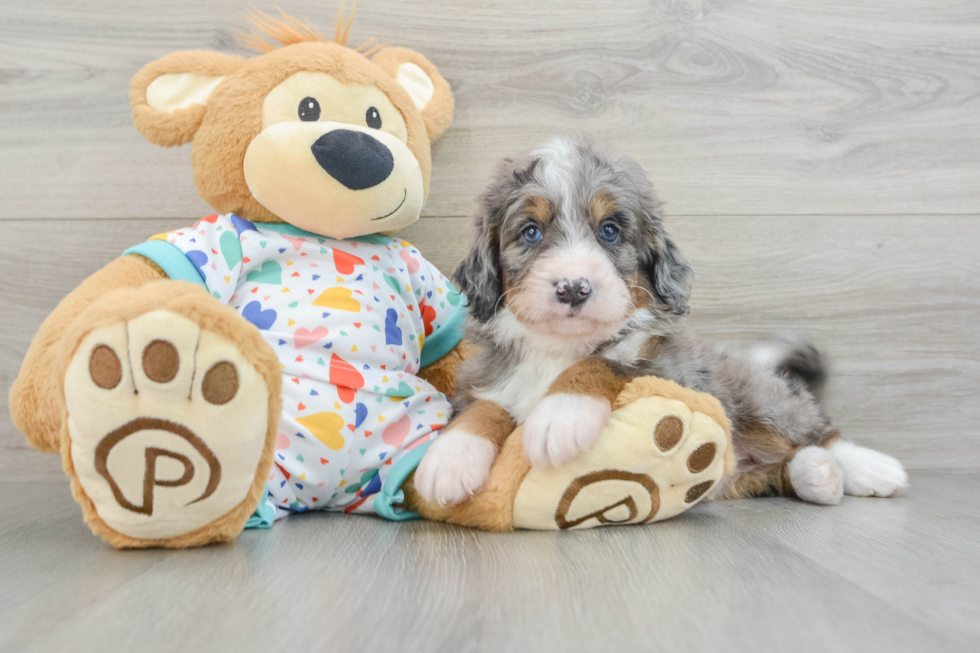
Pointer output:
311, 132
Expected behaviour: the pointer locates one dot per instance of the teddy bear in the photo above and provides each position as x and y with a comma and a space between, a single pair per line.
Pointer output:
290, 353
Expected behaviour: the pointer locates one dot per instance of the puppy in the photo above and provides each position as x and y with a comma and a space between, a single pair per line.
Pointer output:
574, 287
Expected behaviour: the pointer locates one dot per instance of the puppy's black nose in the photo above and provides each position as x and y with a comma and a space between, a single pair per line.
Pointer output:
573, 291
355, 159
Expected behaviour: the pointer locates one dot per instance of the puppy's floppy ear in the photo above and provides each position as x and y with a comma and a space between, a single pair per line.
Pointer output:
661, 262
428, 89
670, 275
479, 275
169, 96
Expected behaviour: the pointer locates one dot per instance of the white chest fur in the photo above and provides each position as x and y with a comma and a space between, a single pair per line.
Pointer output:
542, 359
627, 350
528, 382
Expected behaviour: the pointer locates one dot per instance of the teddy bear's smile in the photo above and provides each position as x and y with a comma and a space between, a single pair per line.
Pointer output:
333, 157
334, 178
390, 213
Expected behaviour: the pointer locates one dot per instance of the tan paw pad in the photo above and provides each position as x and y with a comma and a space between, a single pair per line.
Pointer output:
656, 457
167, 424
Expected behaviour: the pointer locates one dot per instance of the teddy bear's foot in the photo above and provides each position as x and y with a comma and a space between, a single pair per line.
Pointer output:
169, 430
664, 448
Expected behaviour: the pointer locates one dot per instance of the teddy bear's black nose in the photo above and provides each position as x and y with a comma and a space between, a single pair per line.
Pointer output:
355, 159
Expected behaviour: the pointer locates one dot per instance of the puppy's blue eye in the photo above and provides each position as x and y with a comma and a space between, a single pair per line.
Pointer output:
609, 233
532, 235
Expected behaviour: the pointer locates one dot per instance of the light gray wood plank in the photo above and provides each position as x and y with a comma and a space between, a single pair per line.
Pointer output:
775, 107
893, 301
748, 575
880, 559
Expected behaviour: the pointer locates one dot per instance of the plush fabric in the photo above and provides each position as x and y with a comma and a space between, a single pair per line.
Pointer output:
37, 405
279, 173
625, 478
175, 127
178, 299
82, 375
223, 129
225, 134
438, 112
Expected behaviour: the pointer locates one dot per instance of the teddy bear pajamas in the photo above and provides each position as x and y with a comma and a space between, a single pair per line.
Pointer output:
352, 322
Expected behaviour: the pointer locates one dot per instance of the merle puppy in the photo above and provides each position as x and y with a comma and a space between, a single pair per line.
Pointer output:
572, 268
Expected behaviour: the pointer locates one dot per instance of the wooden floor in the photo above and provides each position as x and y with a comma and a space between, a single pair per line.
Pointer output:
755, 575
820, 163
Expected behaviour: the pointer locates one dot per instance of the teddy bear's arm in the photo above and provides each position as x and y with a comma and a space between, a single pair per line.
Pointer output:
442, 373
37, 403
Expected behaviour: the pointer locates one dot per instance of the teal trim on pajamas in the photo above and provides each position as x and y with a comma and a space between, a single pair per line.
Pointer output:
287, 229
391, 492
264, 515
296, 232
445, 338
171, 260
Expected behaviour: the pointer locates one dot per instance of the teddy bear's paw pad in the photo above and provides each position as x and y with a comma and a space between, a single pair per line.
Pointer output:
167, 424
656, 458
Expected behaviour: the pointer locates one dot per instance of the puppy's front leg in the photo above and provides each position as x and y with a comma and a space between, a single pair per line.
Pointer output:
457, 464
573, 413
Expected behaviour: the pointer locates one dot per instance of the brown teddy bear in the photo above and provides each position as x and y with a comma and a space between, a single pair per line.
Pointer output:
289, 354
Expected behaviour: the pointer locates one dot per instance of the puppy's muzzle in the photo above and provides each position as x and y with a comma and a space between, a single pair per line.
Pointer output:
573, 291
355, 159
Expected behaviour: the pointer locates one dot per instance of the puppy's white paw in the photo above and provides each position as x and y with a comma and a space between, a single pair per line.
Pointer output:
456, 466
816, 476
561, 426
869, 473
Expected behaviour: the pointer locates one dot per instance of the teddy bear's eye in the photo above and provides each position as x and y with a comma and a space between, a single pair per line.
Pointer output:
373, 118
309, 110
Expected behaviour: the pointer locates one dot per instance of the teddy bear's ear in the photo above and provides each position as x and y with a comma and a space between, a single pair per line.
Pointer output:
428, 89
169, 96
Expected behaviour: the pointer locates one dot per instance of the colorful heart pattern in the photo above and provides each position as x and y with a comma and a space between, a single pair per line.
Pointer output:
347, 379
344, 262
262, 319
395, 433
269, 272
411, 262
348, 321
338, 298
393, 334
325, 427
231, 248
304, 337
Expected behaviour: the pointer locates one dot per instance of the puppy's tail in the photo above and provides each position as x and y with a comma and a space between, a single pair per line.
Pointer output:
795, 358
